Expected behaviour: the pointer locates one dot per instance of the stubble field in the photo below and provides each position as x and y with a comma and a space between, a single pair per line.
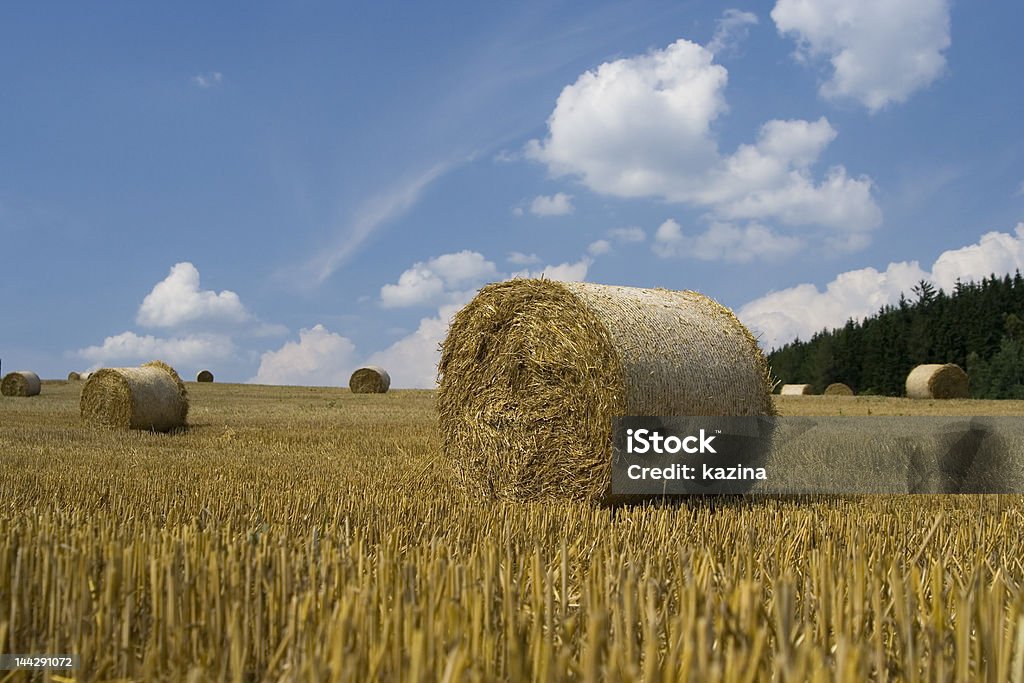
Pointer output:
311, 534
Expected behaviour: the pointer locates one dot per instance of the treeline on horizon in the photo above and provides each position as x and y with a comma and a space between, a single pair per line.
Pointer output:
979, 326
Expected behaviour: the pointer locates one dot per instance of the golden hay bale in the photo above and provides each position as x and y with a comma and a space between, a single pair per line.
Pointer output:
533, 372
938, 381
795, 390
150, 397
204, 376
74, 376
20, 383
838, 389
370, 379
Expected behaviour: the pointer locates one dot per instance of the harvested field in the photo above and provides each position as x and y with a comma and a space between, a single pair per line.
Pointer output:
309, 534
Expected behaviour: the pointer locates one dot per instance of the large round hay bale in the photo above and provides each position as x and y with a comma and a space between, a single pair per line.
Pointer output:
204, 376
533, 372
370, 379
20, 383
796, 390
74, 376
150, 397
838, 389
938, 381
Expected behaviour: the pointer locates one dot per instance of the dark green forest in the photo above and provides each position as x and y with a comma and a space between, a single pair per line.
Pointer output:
979, 326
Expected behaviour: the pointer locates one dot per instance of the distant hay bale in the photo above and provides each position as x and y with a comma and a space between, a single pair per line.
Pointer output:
938, 381
150, 397
20, 383
370, 379
533, 371
795, 390
838, 389
84, 376
74, 376
204, 376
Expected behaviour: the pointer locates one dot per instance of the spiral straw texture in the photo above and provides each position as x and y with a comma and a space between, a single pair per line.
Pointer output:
533, 371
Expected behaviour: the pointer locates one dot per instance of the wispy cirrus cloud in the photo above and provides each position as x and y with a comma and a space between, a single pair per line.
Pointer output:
731, 29
207, 80
372, 215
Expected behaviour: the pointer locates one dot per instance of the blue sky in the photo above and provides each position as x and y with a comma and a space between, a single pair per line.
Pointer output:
285, 192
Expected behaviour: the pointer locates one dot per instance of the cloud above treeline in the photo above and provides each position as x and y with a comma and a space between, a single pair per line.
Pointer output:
800, 311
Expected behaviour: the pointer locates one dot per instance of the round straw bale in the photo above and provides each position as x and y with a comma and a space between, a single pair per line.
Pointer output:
204, 376
370, 379
533, 372
938, 381
150, 397
838, 389
795, 390
20, 383
74, 376
84, 376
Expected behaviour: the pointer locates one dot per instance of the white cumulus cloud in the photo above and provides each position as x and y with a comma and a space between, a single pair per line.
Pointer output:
880, 51
995, 252
187, 351
558, 204
633, 126
319, 358
178, 300
779, 317
416, 285
723, 242
568, 271
517, 258
412, 360
642, 127
428, 282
